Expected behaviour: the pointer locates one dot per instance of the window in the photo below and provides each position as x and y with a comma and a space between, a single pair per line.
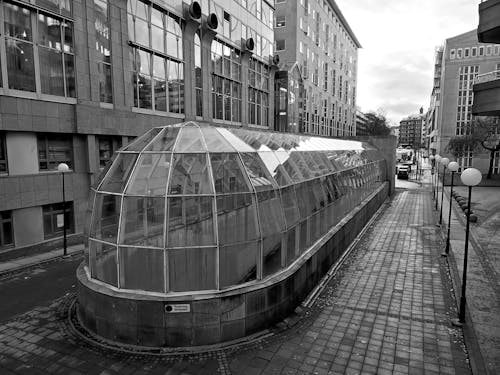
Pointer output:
3, 155
198, 81
280, 21
496, 162
106, 146
488, 50
481, 51
226, 82
54, 149
258, 93
497, 50
459, 53
158, 68
6, 233
474, 51
103, 47
452, 54
466, 52
280, 44
54, 218
31, 34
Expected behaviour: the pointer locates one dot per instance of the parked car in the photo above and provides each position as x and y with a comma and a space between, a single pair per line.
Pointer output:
403, 172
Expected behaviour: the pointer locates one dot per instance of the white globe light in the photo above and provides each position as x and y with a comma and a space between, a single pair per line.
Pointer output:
438, 158
445, 161
453, 166
471, 177
63, 167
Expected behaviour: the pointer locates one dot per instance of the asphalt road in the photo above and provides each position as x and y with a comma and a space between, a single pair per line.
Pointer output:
37, 286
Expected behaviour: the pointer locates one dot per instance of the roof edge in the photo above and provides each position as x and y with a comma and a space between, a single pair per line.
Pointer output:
344, 22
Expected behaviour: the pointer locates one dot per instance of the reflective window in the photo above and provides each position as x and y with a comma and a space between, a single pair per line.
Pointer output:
4, 168
258, 93
55, 217
143, 221
6, 229
54, 149
236, 218
141, 269
192, 269
103, 262
238, 264
103, 48
52, 39
198, 75
158, 80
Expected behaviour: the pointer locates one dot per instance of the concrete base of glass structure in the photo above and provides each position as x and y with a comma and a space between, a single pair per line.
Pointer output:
210, 318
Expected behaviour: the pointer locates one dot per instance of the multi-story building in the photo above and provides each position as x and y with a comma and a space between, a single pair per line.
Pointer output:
318, 55
411, 130
361, 123
79, 79
463, 58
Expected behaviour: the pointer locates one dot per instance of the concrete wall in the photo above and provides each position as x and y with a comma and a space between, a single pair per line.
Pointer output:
22, 153
28, 226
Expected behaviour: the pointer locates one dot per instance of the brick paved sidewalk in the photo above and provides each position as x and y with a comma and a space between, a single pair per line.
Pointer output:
387, 311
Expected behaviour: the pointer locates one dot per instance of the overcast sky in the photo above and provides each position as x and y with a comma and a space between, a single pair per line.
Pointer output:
399, 37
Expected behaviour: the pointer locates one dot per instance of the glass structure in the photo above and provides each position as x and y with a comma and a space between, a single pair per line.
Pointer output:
192, 207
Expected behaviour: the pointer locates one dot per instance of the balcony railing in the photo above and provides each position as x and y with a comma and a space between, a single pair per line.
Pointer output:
487, 77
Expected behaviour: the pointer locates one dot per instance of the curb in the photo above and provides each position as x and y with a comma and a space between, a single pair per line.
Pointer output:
12, 271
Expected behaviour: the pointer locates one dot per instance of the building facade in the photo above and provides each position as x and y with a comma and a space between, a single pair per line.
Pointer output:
435, 102
361, 123
81, 78
411, 131
463, 58
318, 55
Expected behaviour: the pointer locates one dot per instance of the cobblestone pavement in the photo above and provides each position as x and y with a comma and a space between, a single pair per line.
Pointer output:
386, 311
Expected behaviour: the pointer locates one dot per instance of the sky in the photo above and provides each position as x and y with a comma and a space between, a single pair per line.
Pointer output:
398, 39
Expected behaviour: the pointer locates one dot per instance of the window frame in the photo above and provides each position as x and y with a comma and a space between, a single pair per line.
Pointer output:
52, 210
45, 137
3, 154
3, 244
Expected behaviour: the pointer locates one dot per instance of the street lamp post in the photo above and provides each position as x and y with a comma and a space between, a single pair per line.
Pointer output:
470, 177
431, 158
452, 167
63, 168
437, 158
444, 162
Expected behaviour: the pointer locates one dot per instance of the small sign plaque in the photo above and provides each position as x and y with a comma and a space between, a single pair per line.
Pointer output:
60, 220
178, 308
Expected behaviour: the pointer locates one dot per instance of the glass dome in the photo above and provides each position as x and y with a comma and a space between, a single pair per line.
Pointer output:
194, 207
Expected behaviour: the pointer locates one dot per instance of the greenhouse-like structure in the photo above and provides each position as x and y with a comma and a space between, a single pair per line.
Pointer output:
197, 216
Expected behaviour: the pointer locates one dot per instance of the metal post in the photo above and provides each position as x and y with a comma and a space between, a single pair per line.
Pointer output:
437, 185
442, 194
447, 249
461, 314
65, 245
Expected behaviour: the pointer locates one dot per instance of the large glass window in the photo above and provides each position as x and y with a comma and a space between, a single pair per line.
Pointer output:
6, 230
55, 217
33, 34
103, 48
258, 93
158, 68
198, 79
106, 145
3, 155
226, 82
54, 149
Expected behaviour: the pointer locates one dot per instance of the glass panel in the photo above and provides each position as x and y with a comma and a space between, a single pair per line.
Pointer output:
235, 141
49, 32
142, 221
305, 199
190, 221
17, 22
165, 141
270, 214
106, 216
51, 71
271, 252
103, 263
290, 206
236, 218
304, 241
20, 66
160, 92
190, 175
141, 142
141, 269
69, 71
259, 175
150, 176
215, 141
229, 174
238, 263
192, 269
117, 177
190, 140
